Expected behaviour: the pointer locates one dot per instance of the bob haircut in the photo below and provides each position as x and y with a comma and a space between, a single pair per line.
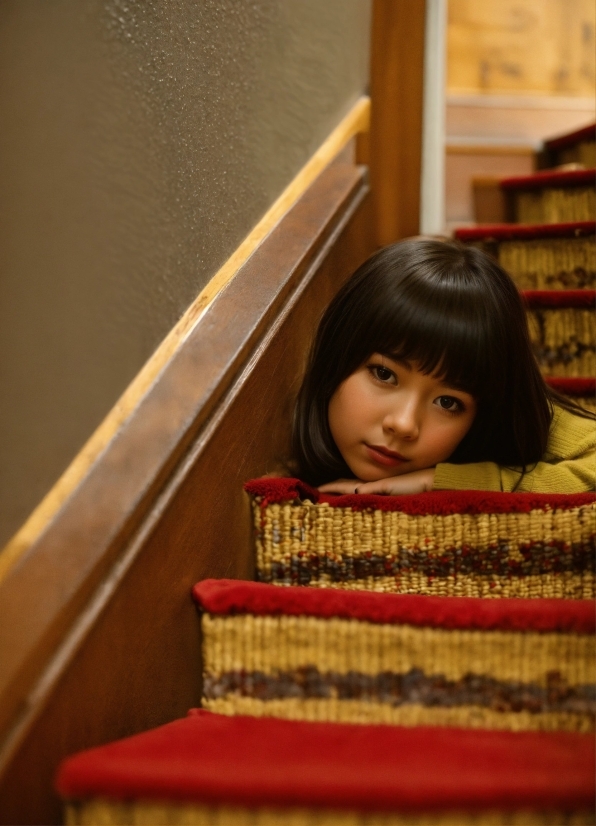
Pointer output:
456, 313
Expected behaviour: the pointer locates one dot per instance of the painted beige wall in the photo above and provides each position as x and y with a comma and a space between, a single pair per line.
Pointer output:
141, 140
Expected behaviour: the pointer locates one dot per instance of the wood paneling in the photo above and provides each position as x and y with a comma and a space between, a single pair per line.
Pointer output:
397, 61
465, 163
522, 46
99, 635
526, 119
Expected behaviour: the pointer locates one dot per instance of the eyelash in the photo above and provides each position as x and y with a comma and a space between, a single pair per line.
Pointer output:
459, 408
374, 369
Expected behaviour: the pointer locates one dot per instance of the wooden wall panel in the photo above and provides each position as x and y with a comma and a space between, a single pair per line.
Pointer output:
544, 47
120, 652
463, 164
396, 85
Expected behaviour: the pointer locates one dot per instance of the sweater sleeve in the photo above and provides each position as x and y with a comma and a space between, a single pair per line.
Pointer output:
568, 466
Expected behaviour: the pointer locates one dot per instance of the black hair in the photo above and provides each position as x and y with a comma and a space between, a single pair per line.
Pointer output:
452, 309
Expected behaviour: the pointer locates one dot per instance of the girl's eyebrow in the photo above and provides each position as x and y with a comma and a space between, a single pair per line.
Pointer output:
397, 360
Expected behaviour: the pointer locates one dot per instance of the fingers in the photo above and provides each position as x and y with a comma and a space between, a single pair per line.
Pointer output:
383, 487
345, 487
341, 486
416, 482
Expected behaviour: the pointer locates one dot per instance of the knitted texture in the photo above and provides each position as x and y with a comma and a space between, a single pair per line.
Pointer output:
357, 657
444, 543
326, 771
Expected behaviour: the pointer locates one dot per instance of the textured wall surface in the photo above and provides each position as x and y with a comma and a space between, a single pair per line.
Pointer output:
141, 141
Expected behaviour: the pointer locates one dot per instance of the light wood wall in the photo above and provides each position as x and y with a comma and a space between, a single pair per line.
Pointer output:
522, 46
518, 72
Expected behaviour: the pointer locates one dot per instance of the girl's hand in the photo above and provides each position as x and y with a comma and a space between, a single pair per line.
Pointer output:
416, 482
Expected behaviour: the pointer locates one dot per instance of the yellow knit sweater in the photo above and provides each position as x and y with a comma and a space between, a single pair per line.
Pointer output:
568, 466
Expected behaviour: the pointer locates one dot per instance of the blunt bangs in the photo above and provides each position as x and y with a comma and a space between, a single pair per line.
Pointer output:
442, 332
425, 301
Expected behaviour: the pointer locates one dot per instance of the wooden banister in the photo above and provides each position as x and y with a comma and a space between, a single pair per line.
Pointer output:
97, 629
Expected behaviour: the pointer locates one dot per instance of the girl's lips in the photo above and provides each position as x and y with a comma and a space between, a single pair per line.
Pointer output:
383, 456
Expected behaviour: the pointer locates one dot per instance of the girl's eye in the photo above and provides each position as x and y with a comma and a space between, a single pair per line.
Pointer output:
383, 374
450, 403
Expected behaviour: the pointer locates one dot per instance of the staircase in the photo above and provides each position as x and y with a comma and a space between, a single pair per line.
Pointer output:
429, 659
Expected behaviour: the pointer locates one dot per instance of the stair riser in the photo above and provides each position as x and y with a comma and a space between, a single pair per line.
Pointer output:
543, 553
552, 206
583, 153
550, 264
152, 814
564, 340
345, 670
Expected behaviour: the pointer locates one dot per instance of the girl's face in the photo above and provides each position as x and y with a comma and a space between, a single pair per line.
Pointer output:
388, 418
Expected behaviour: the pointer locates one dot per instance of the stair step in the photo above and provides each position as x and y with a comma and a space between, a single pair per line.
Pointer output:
214, 769
562, 327
540, 256
443, 543
352, 656
578, 146
583, 390
552, 196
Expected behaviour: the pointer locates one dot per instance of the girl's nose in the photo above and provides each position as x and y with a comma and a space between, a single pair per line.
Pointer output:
403, 421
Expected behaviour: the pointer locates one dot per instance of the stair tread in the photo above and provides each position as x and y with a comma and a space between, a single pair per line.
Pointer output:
571, 299
550, 178
250, 761
525, 232
228, 596
572, 386
271, 490
585, 133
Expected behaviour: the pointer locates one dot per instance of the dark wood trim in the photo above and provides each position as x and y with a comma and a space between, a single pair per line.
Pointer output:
98, 634
396, 90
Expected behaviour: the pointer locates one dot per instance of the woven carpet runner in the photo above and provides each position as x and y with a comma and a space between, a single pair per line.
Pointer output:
540, 256
215, 769
552, 196
578, 146
562, 327
353, 656
443, 543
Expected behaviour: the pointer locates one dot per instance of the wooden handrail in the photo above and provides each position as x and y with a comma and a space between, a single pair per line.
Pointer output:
98, 633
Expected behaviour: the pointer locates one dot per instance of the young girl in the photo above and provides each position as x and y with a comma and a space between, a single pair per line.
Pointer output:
422, 377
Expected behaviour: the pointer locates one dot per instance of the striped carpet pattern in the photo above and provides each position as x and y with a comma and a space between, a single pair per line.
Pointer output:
406, 660
541, 256
552, 196
444, 543
215, 769
563, 331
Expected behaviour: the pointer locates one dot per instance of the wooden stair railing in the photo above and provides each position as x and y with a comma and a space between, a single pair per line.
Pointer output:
97, 628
